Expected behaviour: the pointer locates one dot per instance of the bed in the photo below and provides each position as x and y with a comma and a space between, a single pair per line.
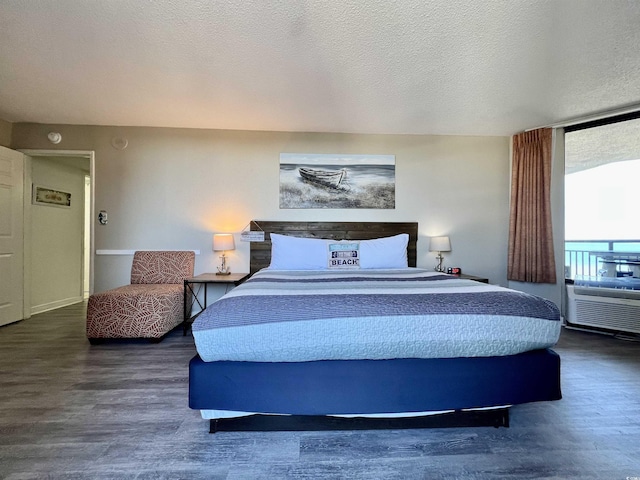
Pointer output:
337, 328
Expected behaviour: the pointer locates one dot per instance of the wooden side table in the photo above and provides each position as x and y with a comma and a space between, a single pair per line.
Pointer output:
191, 293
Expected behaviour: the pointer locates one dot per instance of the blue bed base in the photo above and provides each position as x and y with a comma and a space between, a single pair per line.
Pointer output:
374, 386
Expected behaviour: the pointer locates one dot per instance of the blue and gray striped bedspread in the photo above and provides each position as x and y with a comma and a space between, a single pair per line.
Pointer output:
280, 316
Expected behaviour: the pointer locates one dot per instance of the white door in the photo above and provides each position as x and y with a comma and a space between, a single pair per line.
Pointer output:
11, 236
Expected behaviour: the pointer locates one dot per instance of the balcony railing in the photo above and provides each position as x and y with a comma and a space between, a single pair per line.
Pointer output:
589, 257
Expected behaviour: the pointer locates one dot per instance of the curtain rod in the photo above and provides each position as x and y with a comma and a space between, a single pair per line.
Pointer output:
629, 108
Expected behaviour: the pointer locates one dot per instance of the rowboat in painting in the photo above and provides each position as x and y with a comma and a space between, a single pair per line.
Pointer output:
329, 178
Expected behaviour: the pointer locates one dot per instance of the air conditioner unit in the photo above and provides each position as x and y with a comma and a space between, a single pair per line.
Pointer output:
607, 308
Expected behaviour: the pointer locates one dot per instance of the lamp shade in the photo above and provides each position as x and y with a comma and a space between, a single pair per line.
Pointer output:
439, 244
223, 241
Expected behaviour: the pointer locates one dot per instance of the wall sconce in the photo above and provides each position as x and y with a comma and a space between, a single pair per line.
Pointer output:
54, 137
439, 244
223, 242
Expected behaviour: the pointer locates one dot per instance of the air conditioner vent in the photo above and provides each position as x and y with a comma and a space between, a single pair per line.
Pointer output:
594, 309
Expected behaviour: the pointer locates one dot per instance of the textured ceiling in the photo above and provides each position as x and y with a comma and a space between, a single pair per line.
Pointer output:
491, 67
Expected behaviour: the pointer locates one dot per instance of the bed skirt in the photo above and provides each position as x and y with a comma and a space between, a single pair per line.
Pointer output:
351, 387
498, 417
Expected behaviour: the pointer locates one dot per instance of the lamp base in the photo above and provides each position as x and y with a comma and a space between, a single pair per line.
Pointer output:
223, 269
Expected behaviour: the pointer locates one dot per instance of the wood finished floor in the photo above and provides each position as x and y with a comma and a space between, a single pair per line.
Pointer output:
119, 410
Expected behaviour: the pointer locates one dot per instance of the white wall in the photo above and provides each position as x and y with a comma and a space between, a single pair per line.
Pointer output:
173, 188
56, 238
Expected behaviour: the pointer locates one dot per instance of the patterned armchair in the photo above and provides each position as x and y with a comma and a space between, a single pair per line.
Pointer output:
151, 306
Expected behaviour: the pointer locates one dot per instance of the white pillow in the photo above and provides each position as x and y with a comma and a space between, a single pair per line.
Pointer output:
343, 255
295, 253
388, 252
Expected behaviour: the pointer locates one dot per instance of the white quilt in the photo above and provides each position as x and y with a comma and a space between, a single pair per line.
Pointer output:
294, 316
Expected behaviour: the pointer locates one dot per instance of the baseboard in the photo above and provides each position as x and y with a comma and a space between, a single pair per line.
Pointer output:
45, 307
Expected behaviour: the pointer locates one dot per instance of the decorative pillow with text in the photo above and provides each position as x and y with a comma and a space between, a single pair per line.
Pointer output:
343, 255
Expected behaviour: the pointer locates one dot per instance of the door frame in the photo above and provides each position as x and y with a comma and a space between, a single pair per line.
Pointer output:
29, 153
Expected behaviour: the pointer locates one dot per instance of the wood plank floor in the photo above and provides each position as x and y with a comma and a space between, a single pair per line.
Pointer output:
69, 410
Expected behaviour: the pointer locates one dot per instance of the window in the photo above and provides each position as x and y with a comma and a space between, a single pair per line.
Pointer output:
602, 183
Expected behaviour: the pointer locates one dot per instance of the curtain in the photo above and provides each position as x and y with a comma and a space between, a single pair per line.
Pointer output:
530, 233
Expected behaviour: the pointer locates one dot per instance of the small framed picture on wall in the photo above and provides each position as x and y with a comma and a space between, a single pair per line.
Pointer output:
50, 197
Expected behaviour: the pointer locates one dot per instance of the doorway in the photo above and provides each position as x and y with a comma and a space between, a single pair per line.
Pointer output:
58, 239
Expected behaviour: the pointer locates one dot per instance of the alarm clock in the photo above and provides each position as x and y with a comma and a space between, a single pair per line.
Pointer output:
454, 270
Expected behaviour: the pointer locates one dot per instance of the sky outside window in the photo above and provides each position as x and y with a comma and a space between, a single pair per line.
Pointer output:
602, 182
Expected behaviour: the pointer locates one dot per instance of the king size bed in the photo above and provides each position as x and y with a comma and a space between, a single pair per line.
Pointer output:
337, 325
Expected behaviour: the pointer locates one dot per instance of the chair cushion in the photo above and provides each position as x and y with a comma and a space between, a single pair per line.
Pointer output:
162, 266
135, 311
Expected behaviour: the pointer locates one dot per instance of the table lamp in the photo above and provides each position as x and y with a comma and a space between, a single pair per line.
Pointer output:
223, 242
439, 244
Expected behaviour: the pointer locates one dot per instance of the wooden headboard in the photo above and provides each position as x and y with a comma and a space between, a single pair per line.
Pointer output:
260, 252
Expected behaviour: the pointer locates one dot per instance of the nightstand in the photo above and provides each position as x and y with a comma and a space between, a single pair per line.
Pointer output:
191, 293
473, 277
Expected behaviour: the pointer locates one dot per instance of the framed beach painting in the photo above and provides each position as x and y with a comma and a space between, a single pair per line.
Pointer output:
311, 180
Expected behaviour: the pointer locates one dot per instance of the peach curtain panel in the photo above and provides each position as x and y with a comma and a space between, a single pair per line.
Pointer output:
530, 233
